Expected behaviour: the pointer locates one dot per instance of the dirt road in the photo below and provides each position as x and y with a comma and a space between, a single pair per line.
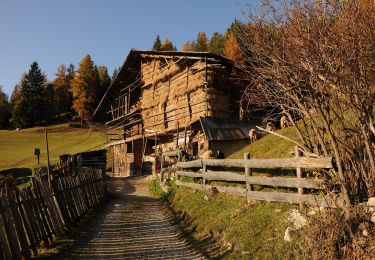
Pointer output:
133, 225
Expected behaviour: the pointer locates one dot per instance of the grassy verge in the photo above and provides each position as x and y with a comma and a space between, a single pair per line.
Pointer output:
227, 227
247, 230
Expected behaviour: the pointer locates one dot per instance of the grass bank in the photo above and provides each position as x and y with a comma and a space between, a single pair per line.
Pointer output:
227, 227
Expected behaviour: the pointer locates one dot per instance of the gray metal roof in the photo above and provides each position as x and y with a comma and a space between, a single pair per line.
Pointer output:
224, 128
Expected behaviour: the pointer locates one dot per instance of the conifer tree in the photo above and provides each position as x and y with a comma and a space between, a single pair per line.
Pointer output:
83, 86
186, 46
201, 42
167, 46
104, 82
31, 108
5, 109
115, 72
232, 49
216, 43
61, 86
157, 44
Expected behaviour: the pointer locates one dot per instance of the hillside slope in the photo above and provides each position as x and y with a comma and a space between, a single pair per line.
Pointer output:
17, 147
269, 146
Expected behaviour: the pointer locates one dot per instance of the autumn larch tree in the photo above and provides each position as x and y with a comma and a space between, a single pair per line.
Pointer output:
200, 44
62, 94
83, 86
167, 46
232, 49
185, 46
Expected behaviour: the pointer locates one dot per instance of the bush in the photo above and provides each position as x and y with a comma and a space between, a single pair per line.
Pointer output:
158, 192
334, 235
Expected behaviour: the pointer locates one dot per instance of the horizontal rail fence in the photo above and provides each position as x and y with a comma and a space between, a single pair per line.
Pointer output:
41, 213
198, 169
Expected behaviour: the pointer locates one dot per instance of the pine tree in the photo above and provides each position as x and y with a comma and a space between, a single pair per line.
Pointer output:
31, 109
115, 72
70, 72
235, 27
157, 44
5, 109
84, 86
216, 43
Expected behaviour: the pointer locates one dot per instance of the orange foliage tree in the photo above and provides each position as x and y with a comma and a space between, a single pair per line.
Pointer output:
83, 88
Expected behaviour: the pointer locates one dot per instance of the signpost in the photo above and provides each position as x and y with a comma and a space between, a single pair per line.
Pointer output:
37, 153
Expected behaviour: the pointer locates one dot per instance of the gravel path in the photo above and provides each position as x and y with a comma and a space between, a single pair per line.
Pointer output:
133, 225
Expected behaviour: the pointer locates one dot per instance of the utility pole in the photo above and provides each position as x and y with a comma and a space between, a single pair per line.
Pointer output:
48, 173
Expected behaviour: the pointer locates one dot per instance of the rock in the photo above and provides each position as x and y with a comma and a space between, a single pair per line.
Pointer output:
288, 235
205, 197
365, 233
295, 217
371, 202
277, 210
373, 218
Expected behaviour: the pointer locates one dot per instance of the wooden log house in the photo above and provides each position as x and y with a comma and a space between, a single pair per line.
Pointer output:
162, 101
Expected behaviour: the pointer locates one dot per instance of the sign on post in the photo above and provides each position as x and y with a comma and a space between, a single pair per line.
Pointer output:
37, 153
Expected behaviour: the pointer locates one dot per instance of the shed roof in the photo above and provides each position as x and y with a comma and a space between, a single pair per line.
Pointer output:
219, 129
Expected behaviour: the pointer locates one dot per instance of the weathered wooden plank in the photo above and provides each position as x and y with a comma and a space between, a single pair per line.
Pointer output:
301, 162
223, 176
189, 185
27, 223
189, 174
229, 190
10, 229
25, 250
190, 164
171, 153
40, 232
4, 240
68, 198
52, 209
286, 182
295, 198
224, 162
44, 213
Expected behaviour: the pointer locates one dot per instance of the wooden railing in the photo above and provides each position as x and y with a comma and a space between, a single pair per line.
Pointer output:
39, 214
199, 169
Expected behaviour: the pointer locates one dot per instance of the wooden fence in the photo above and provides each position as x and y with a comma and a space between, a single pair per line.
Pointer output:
199, 169
37, 215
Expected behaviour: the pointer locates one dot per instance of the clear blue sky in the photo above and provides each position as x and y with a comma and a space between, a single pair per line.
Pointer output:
53, 32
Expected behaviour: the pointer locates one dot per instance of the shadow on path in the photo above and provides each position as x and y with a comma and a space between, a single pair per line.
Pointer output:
132, 225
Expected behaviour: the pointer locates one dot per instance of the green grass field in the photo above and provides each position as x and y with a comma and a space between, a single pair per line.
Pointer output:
17, 147
269, 146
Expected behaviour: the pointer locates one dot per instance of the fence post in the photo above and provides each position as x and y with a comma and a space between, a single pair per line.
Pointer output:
249, 187
204, 169
298, 153
161, 168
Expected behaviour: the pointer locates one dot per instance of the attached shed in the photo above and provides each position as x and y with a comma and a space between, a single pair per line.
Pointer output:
163, 101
